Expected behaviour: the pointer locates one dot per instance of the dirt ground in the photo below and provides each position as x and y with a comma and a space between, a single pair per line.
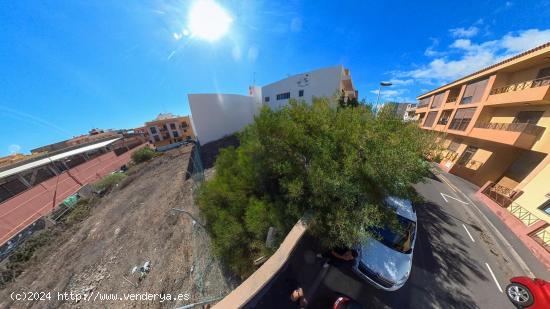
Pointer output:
127, 227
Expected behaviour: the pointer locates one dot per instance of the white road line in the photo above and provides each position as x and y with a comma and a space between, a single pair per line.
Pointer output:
494, 278
448, 184
444, 196
507, 244
469, 233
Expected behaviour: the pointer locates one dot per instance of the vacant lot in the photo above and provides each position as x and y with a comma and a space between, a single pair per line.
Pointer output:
127, 227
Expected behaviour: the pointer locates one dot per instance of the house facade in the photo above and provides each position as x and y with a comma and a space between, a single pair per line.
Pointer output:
496, 125
169, 129
216, 115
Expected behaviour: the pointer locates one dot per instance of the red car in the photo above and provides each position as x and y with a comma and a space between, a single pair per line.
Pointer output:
525, 292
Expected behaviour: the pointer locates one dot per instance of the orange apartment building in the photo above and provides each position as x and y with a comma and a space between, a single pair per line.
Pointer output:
169, 129
496, 125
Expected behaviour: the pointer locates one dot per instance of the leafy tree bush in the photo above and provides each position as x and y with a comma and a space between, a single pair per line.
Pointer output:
334, 164
143, 154
107, 182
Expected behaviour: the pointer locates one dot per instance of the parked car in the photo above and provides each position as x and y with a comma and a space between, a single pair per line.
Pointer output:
525, 292
386, 262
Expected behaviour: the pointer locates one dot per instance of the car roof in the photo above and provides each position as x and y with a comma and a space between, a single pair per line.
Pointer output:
402, 207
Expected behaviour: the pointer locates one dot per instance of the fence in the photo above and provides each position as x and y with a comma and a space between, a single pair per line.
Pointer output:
501, 195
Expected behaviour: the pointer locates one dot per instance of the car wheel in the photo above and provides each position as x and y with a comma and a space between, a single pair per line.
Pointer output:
519, 295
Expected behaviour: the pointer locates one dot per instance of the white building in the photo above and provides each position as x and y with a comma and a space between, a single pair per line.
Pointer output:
217, 115
325, 82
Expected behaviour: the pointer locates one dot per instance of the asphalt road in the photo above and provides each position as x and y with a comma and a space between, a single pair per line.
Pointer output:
460, 261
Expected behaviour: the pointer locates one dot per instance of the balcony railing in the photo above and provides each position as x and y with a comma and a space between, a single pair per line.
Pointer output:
539, 82
501, 195
523, 214
542, 236
459, 124
513, 127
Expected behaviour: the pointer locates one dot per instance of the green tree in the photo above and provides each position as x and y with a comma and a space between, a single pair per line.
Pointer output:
334, 164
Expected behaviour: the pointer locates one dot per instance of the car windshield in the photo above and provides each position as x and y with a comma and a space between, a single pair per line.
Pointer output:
398, 237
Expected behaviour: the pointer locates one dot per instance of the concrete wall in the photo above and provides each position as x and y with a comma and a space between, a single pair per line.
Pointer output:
25, 208
218, 115
319, 83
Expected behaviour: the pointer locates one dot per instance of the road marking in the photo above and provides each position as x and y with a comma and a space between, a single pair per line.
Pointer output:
448, 184
469, 233
507, 244
444, 196
494, 278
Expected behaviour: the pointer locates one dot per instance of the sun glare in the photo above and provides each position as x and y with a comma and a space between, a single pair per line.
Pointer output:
208, 20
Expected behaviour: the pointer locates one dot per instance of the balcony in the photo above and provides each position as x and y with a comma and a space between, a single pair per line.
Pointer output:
522, 135
526, 91
451, 99
501, 195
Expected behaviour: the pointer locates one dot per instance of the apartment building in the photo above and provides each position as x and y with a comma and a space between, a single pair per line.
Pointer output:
410, 112
325, 82
216, 115
497, 135
169, 129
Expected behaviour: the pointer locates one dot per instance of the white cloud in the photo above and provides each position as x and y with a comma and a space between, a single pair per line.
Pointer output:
525, 40
14, 148
393, 95
399, 82
430, 51
464, 32
468, 57
253, 53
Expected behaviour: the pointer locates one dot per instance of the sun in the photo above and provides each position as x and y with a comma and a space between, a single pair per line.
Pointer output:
208, 20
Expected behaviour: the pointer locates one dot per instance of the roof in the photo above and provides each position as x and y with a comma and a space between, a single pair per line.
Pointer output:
487, 70
55, 157
339, 66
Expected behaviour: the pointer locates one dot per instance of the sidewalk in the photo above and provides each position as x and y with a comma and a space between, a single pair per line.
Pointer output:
538, 267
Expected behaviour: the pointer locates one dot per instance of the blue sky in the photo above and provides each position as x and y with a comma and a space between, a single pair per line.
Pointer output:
69, 66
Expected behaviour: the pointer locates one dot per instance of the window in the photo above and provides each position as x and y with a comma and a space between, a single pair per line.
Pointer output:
438, 100
153, 130
474, 92
454, 145
157, 138
283, 96
267, 99
175, 133
531, 117
424, 102
301, 93
545, 207
165, 127
173, 126
445, 115
430, 119
462, 119
467, 155
544, 73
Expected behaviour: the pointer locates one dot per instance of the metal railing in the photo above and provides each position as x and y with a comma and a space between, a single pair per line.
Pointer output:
513, 127
539, 82
542, 236
459, 124
501, 195
523, 214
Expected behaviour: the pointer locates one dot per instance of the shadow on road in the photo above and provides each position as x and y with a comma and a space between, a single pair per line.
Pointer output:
441, 270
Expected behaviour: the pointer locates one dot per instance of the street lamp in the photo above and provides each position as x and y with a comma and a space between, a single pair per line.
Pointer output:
382, 84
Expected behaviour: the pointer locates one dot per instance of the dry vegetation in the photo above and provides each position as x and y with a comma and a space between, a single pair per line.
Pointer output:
128, 226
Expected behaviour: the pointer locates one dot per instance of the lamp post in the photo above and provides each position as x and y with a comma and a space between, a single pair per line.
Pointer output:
382, 84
